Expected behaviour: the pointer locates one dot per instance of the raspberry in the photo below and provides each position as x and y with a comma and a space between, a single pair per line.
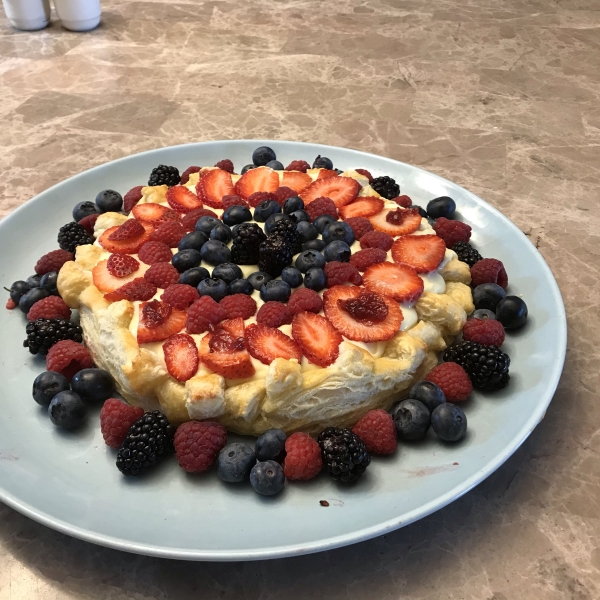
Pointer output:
189, 220
363, 259
88, 223
404, 201
377, 430
365, 173
169, 233
185, 176
255, 199
489, 270
321, 206
225, 164
162, 275
197, 444
452, 231
10, 304
305, 299
138, 289
238, 305
180, 295
203, 314
298, 165
282, 193
155, 252
339, 272
376, 239
233, 200
484, 331
130, 230
132, 197
52, 261
116, 418
67, 358
273, 314
360, 226
122, 265
453, 380
303, 459
52, 307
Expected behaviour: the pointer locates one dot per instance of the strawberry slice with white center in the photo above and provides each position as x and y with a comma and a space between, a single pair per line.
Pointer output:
182, 199
215, 184
268, 343
423, 252
366, 206
400, 282
326, 173
342, 190
261, 179
361, 315
154, 213
295, 180
105, 279
128, 246
398, 221
234, 326
181, 356
317, 337
231, 365
158, 321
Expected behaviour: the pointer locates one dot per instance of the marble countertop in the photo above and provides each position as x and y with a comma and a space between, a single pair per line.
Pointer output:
501, 96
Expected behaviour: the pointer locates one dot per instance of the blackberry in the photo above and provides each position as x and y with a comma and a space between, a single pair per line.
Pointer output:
344, 454
164, 175
247, 238
286, 228
274, 254
42, 334
148, 440
242, 255
386, 187
486, 366
466, 253
72, 235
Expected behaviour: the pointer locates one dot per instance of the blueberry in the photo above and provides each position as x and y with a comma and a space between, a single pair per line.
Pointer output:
228, 272
221, 233
235, 215
194, 276
292, 204
487, 295
314, 245
271, 445
292, 276
277, 290
28, 299
267, 478
215, 253
422, 211
262, 155
206, 224
338, 231
186, 259
215, 288
315, 279
84, 209
412, 419
234, 463
193, 241
93, 385
258, 279
67, 410
17, 289
307, 231
428, 393
443, 206
241, 286
511, 312
483, 314
33, 281
275, 165
270, 222
247, 168
109, 201
299, 216
46, 385
323, 221
449, 422
337, 250
322, 162
48, 283
307, 259
265, 209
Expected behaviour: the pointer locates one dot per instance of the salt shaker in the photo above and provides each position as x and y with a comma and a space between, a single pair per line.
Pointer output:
28, 15
78, 15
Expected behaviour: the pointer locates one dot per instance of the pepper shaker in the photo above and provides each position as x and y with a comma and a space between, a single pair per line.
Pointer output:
28, 15
78, 15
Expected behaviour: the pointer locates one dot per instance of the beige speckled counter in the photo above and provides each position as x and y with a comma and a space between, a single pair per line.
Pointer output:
501, 96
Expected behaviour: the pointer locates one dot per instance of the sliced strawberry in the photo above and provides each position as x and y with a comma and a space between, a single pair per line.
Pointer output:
295, 180
261, 179
374, 324
326, 173
204, 346
122, 265
181, 356
398, 221
318, 338
366, 206
130, 230
213, 186
235, 365
136, 289
154, 213
106, 282
400, 282
182, 199
423, 252
267, 343
342, 190
234, 326
157, 323
125, 246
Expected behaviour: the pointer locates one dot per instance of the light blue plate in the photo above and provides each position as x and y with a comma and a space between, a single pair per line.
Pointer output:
69, 481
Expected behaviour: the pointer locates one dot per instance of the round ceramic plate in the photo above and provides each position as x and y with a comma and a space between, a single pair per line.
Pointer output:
68, 480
